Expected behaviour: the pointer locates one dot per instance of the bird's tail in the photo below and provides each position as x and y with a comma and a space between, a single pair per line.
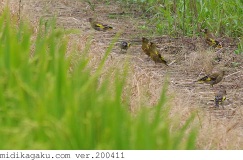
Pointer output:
106, 27
216, 103
218, 44
128, 44
164, 61
203, 79
197, 81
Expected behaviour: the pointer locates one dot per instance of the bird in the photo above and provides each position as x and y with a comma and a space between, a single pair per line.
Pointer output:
213, 78
124, 45
155, 55
210, 39
99, 26
220, 96
145, 46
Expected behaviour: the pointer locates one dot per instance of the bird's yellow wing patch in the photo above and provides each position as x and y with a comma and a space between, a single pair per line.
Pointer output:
99, 25
208, 79
213, 42
156, 52
224, 98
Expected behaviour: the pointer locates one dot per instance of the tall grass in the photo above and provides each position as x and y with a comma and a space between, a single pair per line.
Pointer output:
177, 17
47, 102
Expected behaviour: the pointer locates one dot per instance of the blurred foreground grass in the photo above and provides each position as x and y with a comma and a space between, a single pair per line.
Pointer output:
44, 105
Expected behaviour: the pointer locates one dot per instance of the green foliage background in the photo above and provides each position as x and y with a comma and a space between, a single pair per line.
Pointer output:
187, 17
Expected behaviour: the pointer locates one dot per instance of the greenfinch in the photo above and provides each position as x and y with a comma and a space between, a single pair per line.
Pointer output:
213, 78
124, 45
155, 55
210, 39
99, 26
220, 96
145, 46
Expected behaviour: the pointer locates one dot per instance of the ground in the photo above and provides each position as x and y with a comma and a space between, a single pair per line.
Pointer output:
189, 59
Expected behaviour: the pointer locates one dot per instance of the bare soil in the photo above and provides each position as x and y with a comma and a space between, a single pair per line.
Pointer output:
189, 59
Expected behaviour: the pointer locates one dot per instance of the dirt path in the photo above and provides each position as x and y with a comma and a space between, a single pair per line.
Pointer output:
219, 129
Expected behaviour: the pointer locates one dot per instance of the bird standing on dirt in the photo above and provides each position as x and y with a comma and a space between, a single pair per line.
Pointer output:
213, 78
124, 45
220, 96
210, 39
155, 55
145, 46
99, 26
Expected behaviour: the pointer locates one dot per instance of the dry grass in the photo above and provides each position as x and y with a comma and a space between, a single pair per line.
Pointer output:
189, 59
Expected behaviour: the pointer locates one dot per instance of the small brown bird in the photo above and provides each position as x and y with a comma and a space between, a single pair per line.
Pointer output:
210, 39
155, 55
99, 26
220, 96
145, 46
124, 45
213, 78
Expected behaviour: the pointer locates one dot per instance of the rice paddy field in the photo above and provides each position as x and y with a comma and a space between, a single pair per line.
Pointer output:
65, 85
